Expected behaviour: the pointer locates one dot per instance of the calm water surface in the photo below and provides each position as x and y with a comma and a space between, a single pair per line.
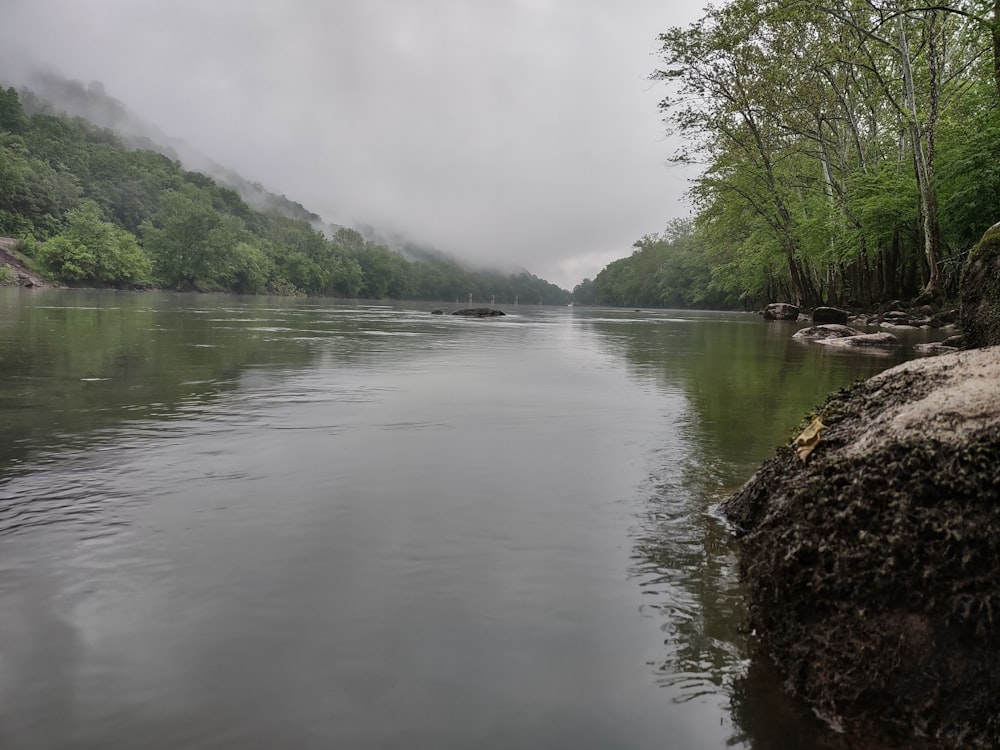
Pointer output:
261, 523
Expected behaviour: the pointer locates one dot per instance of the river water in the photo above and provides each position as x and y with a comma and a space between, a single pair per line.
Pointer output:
257, 523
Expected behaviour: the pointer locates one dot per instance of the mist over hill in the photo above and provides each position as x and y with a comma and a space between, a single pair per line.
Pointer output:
81, 167
47, 92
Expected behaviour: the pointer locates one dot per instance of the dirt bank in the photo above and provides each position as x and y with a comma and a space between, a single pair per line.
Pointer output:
872, 567
22, 275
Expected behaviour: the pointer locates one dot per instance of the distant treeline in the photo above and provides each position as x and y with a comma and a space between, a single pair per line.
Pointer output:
850, 154
670, 270
94, 211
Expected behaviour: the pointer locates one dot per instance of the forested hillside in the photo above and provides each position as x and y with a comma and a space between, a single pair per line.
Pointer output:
850, 154
95, 210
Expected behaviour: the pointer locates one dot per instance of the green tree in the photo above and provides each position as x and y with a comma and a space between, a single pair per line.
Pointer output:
94, 251
725, 77
378, 269
801, 112
347, 278
246, 269
186, 238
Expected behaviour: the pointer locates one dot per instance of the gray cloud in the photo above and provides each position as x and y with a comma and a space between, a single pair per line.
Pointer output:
516, 131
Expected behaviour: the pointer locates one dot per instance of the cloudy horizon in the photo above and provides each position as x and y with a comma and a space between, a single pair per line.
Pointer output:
522, 133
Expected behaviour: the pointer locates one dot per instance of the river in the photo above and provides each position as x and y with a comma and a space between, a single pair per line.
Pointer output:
256, 523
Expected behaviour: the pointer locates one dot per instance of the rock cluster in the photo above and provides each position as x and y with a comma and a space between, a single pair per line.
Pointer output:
896, 317
832, 334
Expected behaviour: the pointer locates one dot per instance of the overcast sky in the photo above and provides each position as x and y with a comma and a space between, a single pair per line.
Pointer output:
512, 131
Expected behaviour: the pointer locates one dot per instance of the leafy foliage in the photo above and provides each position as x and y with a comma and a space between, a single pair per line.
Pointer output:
850, 150
93, 251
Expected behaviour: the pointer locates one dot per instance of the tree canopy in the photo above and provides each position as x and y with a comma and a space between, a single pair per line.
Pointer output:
848, 150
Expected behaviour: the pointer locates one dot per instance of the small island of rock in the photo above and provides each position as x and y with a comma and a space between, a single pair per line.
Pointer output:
479, 312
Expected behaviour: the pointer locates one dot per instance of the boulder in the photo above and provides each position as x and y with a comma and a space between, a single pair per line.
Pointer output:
479, 312
883, 340
957, 341
870, 566
781, 311
830, 315
980, 292
827, 331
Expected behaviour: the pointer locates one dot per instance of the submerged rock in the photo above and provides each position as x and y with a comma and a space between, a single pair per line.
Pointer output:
479, 312
871, 568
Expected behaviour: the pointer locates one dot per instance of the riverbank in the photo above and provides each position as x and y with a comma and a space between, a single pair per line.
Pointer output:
13, 271
870, 565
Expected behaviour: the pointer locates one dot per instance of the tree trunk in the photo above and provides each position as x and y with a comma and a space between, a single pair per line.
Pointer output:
923, 153
996, 46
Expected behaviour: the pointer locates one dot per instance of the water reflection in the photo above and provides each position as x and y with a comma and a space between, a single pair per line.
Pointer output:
73, 362
685, 570
746, 385
238, 523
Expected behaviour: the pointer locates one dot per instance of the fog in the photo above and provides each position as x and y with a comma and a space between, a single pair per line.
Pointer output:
507, 132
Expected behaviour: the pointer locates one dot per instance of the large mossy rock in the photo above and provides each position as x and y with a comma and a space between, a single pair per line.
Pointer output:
980, 292
872, 566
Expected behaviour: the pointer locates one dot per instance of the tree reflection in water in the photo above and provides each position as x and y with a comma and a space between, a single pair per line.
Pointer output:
743, 387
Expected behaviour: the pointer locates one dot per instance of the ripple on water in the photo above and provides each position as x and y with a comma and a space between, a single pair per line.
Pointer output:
685, 568
83, 497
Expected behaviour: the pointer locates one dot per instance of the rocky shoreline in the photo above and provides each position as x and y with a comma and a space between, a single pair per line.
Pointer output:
871, 566
843, 329
869, 545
